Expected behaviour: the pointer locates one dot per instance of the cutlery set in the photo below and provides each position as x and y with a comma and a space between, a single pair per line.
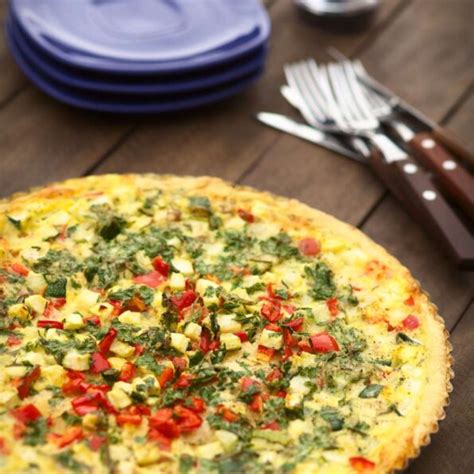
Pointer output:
350, 113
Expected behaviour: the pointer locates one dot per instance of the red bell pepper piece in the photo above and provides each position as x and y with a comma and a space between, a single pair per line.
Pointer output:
273, 327
323, 342
186, 299
295, 324
205, 340
273, 425
99, 363
333, 306
187, 420
243, 336
13, 341
266, 351
108, 339
246, 215
411, 322
19, 269
410, 301
27, 381
271, 311
163, 441
256, 404
179, 363
166, 376
164, 422
183, 381
361, 464
96, 442
127, 419
152, 279
128, 372
73, 434
161, 266
227, 414
26, 414
309, 247
50, 323
275, 374
196, 404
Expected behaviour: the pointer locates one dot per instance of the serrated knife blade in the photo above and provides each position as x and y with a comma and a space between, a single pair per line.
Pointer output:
305, 132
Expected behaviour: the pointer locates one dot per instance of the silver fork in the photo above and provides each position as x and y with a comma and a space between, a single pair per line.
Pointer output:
454, 179
356, 117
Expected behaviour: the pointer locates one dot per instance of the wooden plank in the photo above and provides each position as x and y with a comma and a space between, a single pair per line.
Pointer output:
42, 140
225, 140
461, 122
450, 450
11, 78
425, 55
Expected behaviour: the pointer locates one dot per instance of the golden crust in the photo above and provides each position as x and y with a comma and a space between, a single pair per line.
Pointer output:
289, 212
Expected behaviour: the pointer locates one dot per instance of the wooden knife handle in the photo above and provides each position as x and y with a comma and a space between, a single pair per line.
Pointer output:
434, 212
452, 143
453, 178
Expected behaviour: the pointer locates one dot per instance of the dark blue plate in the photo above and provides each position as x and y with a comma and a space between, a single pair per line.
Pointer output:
161, 84
146, 36
122, 104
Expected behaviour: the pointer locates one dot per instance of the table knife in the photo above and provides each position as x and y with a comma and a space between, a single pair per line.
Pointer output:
305, 132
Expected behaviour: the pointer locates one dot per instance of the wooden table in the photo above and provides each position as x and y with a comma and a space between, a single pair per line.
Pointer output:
419, 48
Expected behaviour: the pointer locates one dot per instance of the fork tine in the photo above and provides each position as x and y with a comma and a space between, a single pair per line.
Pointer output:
320, 76
342, 93
293, 81
357, 92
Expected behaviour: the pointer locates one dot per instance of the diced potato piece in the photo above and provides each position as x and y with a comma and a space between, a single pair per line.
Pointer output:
54, 374
271, 339
131, 317
116, 362
36, 303
177, 282
179, 341
183, 266
16, 371
36, 282
90, 420
34, 358
102, 309
76, 361
86, 299
227, 439
231, 342
210, 450
228, 324
146, 454
203, 286
8, 399
19, 311
119, 398
122, 349
193, 331
74, 321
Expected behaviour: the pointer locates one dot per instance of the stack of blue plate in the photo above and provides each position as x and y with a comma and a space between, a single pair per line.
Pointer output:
139, 56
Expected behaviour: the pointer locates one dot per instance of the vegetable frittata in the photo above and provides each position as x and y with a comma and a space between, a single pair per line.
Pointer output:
183, 325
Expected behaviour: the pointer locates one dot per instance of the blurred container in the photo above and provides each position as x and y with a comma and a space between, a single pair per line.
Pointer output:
345, 15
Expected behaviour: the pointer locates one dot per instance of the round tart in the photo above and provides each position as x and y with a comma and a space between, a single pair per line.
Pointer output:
185, 325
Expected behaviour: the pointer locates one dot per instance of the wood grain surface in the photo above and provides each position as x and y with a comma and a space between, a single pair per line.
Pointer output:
419, 48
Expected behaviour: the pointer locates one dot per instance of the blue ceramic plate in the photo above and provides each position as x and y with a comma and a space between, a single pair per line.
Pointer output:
123, 104
161, 84
146, 36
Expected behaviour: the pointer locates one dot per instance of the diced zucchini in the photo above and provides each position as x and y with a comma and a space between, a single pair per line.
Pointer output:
231, 342
76, 361
228, 324
179, 341
36, 303
193, 331
183, 266
271, 339
74, 321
